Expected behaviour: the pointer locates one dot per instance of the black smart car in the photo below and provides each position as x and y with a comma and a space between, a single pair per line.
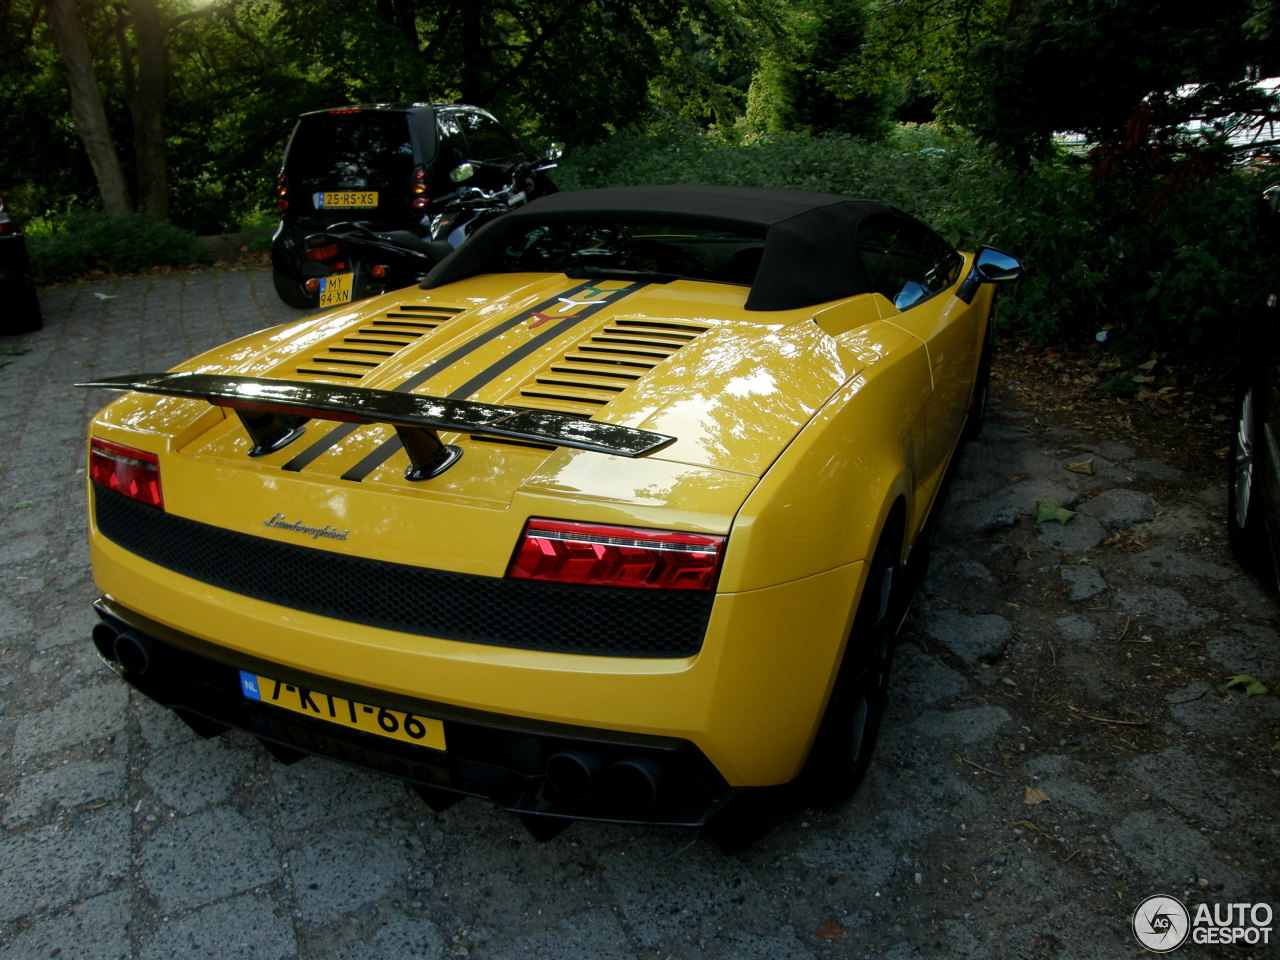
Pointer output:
1253, 492
381, 163
19, 305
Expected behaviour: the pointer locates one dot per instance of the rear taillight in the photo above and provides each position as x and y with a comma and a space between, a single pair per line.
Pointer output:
604, 555
419, 188
134, 473
327, 252
282, 192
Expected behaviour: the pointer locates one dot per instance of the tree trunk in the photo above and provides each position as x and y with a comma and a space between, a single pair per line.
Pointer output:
86, 105
146, 105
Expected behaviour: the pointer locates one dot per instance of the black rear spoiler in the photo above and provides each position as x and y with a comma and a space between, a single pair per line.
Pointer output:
273, 412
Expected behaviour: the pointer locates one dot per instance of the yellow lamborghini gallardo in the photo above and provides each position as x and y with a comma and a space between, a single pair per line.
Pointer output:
612, 517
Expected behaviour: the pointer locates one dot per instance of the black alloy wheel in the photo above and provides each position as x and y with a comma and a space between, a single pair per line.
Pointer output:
842, 749
981, 385
1245, 529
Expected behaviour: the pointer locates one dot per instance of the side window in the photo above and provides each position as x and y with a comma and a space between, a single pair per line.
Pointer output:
453, 145
905, 260
486, 140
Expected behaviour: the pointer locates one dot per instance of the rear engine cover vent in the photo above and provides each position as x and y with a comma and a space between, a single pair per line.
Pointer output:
604, 364
359, 352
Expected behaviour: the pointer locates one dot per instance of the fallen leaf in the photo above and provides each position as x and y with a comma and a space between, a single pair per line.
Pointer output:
1047, 510
1253, 687
830, 931
1082, 466
1034, 796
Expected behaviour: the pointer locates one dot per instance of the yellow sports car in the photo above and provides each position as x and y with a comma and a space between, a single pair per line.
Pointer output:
612, 517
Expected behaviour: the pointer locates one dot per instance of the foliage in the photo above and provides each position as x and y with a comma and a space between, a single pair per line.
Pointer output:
816, 77
76, 243
1128, 76
1159, 272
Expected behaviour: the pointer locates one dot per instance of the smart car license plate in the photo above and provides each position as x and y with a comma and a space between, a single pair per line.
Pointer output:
393, 724
335, 289
346, 199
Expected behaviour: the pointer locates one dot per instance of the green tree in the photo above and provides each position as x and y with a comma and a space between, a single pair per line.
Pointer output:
819, 76
575, 68
1131, 77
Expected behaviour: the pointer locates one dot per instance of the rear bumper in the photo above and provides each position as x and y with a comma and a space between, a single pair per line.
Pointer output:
527, 767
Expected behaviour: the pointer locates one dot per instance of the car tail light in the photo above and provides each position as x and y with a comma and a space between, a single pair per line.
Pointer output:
604, 555
379, 270
326, 252
134, 473
282, 192
419, 188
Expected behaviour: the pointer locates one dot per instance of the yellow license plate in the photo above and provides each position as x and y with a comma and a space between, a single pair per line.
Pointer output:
392, 724
346, 199
335, 289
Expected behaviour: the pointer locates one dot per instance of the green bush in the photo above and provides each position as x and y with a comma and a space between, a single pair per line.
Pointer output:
79, 242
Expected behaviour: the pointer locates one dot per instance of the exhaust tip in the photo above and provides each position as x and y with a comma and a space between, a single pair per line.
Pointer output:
104, 640
636, 784
132, 652
573, 775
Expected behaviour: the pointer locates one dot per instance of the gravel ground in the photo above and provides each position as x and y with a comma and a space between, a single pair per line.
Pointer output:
1059, 746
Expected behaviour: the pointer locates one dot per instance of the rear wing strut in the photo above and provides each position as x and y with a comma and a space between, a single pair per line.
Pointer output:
274, 411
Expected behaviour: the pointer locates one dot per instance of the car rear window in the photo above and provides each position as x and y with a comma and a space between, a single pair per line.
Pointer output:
362, 150
692, 252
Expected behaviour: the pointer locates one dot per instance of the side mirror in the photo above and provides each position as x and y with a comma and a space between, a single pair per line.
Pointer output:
555, 150
910, 294
989, 266
463, 171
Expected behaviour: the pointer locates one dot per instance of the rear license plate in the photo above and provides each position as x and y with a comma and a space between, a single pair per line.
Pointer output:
392, 724
346, 199
335, 289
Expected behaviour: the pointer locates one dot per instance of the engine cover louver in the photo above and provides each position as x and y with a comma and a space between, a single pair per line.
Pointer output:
358, 353
604, 364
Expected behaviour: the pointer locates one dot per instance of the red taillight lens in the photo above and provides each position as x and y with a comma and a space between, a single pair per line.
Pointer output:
326, 252
134, 473
379, 270
419, 188
568, 552
282, 192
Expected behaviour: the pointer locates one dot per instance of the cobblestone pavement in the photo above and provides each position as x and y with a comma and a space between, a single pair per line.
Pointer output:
1059, 744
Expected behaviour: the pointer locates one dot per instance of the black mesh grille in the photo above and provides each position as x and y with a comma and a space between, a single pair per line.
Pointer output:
529, 615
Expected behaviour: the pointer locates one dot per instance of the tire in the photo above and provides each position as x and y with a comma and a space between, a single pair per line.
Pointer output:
22, 315
1245, 528
846, 737
291, 291
981, 387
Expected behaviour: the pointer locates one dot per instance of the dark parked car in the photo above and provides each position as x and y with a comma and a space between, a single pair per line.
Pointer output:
21, 310
1253, 515
380, 163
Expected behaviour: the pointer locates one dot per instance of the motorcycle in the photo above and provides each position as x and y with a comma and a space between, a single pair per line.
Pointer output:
364, 261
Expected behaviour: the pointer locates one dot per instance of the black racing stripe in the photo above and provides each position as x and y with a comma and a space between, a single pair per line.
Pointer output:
510, 359
339, 432
325, 443
385, 450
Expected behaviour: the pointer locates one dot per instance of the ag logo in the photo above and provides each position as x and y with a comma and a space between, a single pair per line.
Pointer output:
1161, 923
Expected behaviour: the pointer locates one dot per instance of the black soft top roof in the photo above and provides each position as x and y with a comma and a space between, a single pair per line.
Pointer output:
810, 253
